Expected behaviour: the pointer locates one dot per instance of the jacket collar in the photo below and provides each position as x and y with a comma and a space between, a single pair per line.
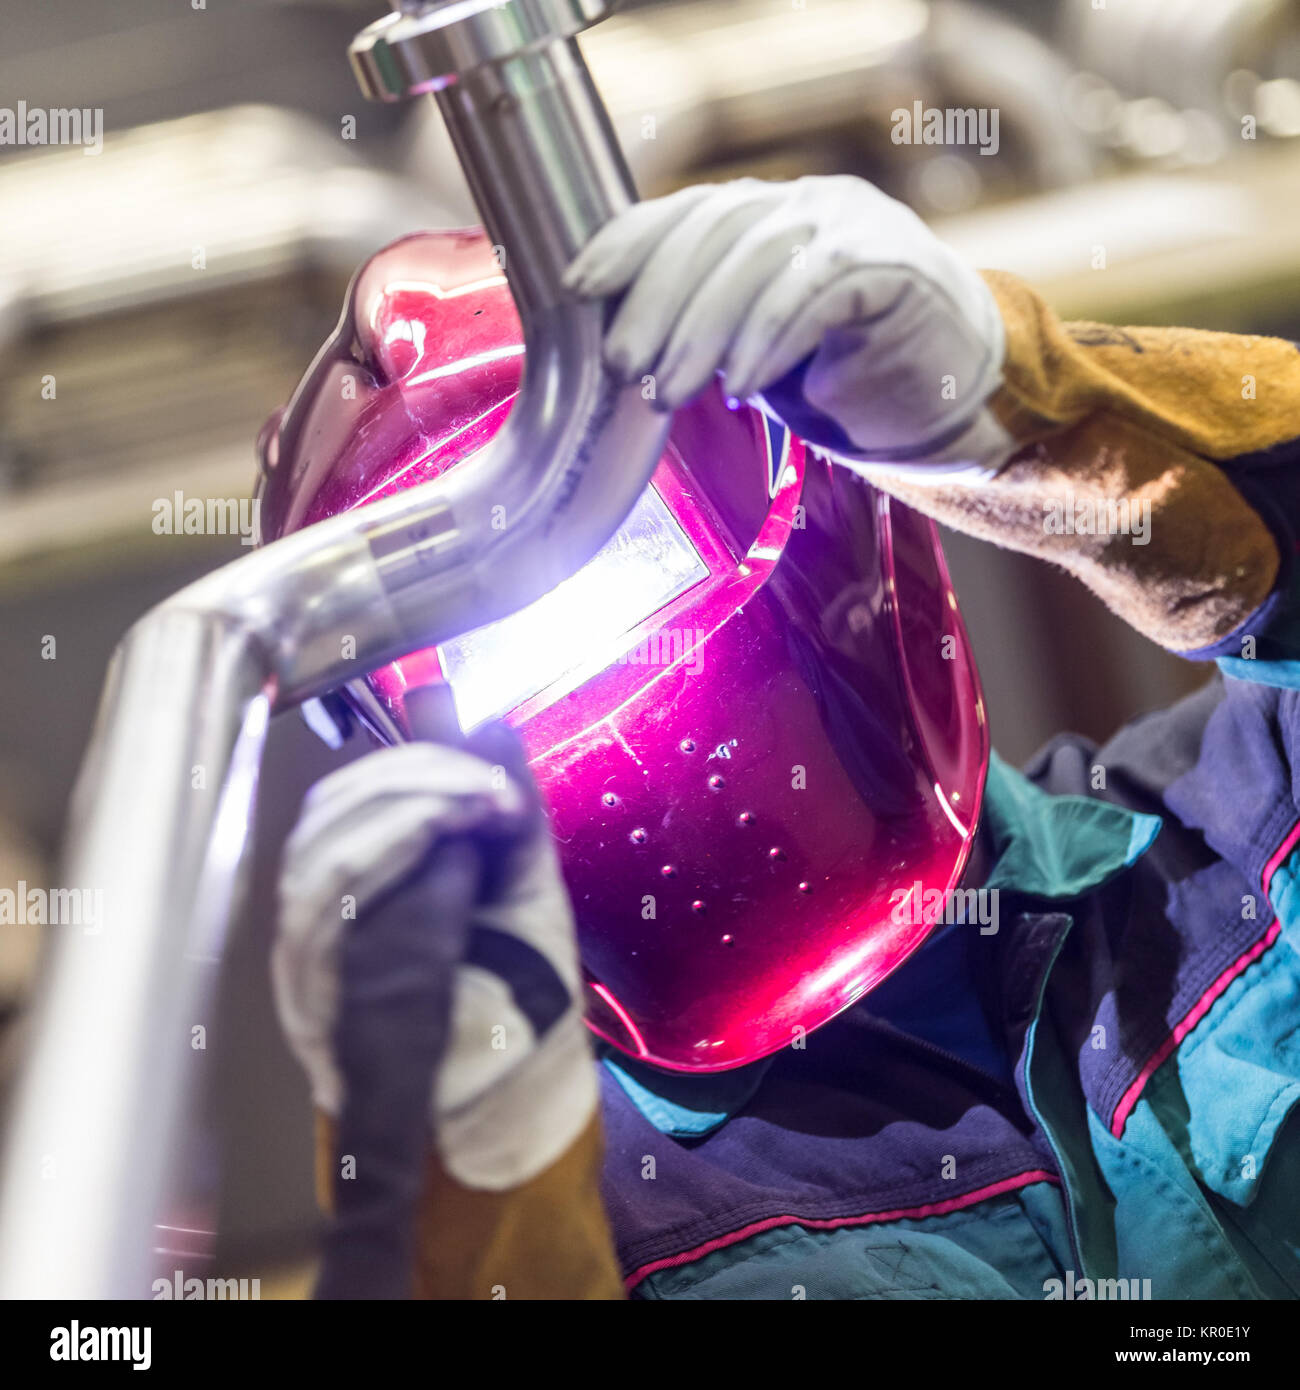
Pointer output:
1053, 848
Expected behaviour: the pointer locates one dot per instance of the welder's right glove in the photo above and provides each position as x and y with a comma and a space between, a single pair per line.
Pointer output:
426, 977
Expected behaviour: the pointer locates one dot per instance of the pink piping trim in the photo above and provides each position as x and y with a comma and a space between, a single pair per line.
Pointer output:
1189, 1021
1279, 858
903, 1213
1202, 1006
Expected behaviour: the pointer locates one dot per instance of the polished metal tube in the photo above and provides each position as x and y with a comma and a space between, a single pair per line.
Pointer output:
166, 792
158, 835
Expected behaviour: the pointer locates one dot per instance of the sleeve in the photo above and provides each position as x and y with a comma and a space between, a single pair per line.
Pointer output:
546, 1239
1226, 397
1159, 465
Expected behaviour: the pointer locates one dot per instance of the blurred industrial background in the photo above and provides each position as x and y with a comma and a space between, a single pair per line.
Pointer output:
175, 286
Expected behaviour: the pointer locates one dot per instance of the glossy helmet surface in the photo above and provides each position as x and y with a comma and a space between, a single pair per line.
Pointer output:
755, 715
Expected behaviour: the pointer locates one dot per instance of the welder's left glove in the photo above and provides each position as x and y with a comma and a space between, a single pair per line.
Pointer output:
1154, 464
831, 300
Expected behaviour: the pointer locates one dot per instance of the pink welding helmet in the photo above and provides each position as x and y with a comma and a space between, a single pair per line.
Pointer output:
754, 715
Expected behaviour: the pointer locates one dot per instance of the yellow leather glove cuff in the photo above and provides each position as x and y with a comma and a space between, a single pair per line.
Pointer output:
547, 1239
1117, 478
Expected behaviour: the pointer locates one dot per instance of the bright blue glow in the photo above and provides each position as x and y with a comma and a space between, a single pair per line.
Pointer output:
647, 563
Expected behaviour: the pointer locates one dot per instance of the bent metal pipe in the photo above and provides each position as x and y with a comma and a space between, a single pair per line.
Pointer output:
166, 791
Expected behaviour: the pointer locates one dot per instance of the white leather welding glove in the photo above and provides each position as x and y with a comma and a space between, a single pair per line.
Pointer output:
508, 1099
904, 341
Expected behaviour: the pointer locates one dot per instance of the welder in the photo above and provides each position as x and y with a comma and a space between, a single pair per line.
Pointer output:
688, 1032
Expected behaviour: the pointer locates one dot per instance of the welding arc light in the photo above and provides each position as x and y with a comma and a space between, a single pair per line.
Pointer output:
648, 563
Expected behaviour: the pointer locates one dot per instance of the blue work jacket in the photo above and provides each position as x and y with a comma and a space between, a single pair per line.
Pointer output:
1095, 1100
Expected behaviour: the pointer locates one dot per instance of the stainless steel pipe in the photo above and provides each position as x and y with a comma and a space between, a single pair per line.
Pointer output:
166, 791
